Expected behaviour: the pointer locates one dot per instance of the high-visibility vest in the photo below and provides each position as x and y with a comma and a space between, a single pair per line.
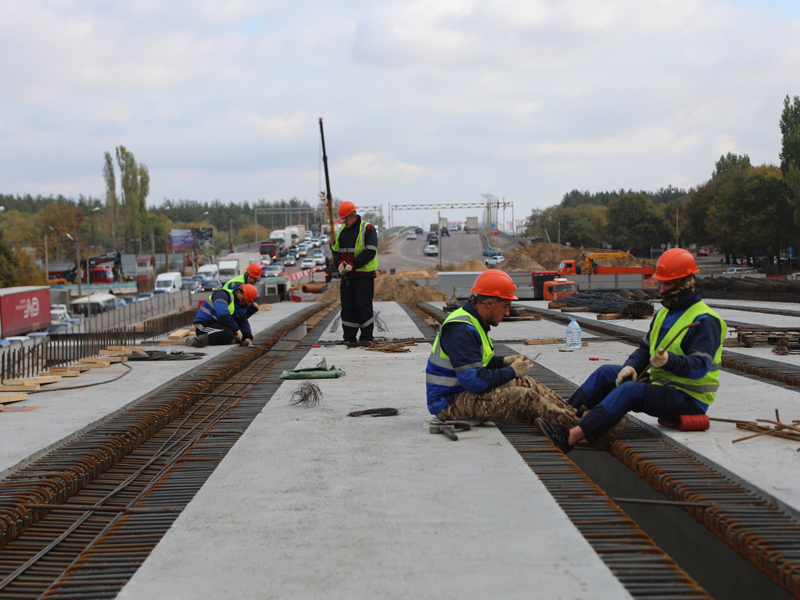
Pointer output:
440, 376
371, 265
239, 279
705, 388
208, 305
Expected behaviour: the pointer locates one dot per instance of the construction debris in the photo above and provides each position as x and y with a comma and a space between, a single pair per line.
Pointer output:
401, 346
307, 394
780, 429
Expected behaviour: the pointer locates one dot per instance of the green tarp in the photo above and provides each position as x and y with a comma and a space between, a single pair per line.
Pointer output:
321, 371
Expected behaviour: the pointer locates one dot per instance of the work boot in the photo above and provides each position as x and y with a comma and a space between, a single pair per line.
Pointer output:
200, 341
555, 433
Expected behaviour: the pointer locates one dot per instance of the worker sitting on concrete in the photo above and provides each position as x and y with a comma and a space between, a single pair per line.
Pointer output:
466, 381
222, 319
251, 276
683, 351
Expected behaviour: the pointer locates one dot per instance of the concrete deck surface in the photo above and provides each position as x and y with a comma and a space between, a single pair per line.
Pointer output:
311, 503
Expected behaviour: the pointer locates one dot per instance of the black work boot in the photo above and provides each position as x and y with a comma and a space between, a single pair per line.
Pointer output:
555, 433
200, 341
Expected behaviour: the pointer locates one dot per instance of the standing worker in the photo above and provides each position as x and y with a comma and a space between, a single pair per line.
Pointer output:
683, 350
355, 253
465, 380
222, 319
251, 275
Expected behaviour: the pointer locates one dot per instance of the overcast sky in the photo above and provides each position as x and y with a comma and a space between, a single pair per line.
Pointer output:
423, 101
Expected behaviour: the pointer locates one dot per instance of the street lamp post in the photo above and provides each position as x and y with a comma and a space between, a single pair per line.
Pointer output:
79, 274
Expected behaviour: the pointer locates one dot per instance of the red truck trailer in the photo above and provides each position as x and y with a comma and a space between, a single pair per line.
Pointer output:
23, 310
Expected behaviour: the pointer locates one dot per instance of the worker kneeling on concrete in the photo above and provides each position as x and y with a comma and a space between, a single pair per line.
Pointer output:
222, 319
683, 351
466, 381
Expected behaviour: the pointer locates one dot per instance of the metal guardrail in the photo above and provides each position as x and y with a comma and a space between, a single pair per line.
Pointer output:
137, 312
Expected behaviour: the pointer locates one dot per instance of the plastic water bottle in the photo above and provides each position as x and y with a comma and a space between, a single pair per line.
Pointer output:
573, 334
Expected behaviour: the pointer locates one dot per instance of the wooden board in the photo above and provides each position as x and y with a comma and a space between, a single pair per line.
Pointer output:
41, 380
536, 342
98, 365
180, 334
30, 387
69, 373
70, 369
106, 359
13, 397
117, 352
123, 349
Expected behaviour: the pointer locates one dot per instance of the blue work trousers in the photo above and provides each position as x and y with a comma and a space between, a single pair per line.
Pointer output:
611, 402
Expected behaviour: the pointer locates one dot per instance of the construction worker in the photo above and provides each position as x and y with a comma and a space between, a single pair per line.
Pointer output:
684, 362
222, 319
251, 275
466, 381
355, 254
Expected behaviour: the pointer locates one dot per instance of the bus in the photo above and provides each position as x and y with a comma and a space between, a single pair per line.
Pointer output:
89, 306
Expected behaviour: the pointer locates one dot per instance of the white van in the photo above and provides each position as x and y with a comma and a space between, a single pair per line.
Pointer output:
209, 271
170, 282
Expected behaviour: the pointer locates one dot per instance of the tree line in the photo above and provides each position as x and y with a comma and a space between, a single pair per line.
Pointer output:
748, 212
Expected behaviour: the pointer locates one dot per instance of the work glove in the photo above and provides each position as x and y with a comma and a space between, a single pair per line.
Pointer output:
237, 335
349, 267
508, 360
521, 366
342, 267
625, 374
247, 342
659, 359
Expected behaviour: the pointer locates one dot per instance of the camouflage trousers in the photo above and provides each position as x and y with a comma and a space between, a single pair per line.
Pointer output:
522, 400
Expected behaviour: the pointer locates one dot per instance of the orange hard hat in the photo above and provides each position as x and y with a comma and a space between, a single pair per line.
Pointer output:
675, 264
254, 270
495, 283
346, 208
249, 292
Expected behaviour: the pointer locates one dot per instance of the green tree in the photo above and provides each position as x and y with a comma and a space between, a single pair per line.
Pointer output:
728, 162
790, 151
112, 202
134, 182
9, 266
635, 224
694, 216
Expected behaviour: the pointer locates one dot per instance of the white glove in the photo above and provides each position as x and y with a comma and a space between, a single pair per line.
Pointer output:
659, 359
508, 360
237, 335
626, 373
348, 267
342, 267
247, 342
521, 367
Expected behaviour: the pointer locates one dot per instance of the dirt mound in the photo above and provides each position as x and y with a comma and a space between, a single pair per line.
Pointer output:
394, 289
548, 255
417, 275
520, 261
472, 265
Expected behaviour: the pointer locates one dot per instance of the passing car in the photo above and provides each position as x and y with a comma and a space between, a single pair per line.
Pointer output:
319, 259
491, 251
702, 252
740, 271
309, 263
209, 285
192, 286
58, 328
431, 250
144, 296
289, 261
493, 261
411, 235
272, 271
128, 299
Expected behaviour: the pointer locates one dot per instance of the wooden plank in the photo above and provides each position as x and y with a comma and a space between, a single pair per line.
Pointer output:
106, 359
117, 352
69, 373
98, 365
41, 380
537, 342
123, 349
577, 309
15, 397
611, 316
70, 369
30, 387
180, 333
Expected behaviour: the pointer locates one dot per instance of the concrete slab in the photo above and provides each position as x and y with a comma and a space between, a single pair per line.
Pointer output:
52, 416
311, 504
397, 322
765, 462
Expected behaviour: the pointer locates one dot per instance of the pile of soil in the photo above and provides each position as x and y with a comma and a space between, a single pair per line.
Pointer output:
416, 275
472, 265
520, 261
548, 255
393, 289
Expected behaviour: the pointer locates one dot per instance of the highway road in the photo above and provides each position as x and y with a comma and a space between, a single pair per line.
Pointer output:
406, 255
